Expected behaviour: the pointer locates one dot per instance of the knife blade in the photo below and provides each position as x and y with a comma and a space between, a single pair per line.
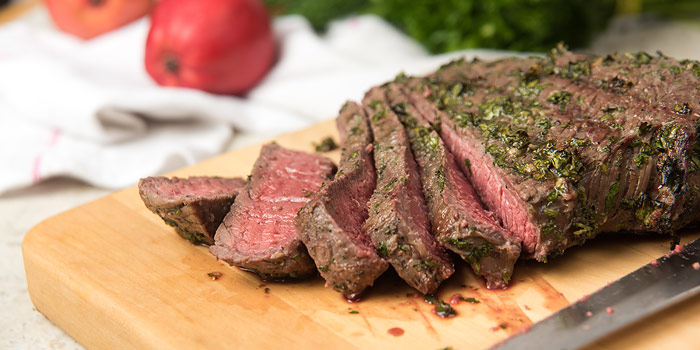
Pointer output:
667, 280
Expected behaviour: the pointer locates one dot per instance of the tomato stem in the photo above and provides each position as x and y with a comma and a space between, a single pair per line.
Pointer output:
172, 65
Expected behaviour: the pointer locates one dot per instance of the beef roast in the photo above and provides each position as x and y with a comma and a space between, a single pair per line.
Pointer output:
258, 234
458, 219
330, 225
398, 220
563, 147
195, 206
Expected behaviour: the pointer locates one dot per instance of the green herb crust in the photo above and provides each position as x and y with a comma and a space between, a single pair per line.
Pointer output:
586, 128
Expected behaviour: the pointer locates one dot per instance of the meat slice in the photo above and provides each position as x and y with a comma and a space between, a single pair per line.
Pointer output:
330, 225
398, 220
563, 147
497, 190
195, 206
459, 221
258, 234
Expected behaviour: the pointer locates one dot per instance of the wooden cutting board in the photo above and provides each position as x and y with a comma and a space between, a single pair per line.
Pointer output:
114, 276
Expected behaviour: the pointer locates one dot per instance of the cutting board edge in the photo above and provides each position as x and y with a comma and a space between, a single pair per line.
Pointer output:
44, 285
77, 306
35, 264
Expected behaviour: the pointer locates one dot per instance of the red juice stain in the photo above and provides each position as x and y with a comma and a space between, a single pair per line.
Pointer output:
455, 298
678, 249
554, 300
609, 310
501, 308
396, 331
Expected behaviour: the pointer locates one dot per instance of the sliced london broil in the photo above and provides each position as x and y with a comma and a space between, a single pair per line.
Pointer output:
330, 225
458, 219
195, 206
398, 218
563, 147
259, 234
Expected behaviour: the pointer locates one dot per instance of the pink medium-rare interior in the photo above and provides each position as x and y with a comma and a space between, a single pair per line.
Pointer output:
290, 179
348, 204
466, 196
198, 186
261, 225
493, 192
415, 201
266, 217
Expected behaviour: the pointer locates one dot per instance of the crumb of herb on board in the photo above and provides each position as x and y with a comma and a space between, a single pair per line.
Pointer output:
470, 300
444, 310
430, 299
214, 275
326, 145
354, 312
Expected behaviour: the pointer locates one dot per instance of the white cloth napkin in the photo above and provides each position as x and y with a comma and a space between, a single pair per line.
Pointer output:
88, 110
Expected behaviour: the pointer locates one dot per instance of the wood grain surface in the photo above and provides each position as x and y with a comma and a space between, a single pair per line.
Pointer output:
114, 276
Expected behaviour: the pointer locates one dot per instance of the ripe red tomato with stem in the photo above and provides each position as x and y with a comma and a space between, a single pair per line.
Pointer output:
219, 46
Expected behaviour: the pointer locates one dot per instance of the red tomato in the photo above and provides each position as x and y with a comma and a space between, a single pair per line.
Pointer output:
89, 18
219, 46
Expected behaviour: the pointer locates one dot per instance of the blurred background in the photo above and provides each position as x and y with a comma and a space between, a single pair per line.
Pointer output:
95, 94
527, 25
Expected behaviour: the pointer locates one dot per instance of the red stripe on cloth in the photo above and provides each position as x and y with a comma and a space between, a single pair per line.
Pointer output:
36, 166
36, 177
54, 137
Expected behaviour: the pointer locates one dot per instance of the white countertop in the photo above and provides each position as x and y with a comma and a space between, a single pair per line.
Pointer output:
22, 327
